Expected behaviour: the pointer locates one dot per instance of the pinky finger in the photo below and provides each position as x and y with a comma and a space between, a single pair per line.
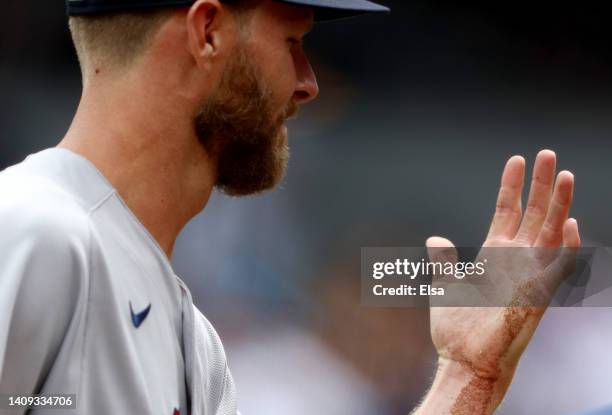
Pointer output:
565, 264
571, 234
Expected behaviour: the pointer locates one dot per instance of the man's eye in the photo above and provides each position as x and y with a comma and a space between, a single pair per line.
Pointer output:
294, 41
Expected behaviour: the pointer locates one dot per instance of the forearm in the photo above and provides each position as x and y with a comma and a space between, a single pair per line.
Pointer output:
457, 390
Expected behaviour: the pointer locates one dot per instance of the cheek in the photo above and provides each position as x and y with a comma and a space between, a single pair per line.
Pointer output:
282, 76
277, 69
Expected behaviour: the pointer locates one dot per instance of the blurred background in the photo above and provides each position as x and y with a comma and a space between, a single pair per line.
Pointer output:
417, 114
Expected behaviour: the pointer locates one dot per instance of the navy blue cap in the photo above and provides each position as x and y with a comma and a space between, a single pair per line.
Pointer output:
339, 9
324, 9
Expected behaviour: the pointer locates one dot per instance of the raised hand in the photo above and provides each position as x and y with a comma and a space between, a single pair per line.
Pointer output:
479, 347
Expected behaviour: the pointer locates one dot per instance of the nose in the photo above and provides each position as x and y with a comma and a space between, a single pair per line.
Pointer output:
306, 88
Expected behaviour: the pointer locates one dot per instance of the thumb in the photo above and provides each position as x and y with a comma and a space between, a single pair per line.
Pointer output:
441, 250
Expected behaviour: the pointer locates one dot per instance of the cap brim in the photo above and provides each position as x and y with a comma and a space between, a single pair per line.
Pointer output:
326, 10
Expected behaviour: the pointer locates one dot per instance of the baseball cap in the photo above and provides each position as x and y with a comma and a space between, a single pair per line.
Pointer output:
325, 10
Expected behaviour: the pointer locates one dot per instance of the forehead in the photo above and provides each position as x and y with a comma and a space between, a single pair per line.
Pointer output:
273, 15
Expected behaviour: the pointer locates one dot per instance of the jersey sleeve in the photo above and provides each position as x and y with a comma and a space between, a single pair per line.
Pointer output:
43, 268
220, 390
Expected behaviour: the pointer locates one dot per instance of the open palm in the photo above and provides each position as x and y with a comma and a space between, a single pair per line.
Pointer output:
490, 340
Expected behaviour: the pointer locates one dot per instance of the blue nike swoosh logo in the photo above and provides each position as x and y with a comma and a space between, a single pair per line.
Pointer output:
138, 318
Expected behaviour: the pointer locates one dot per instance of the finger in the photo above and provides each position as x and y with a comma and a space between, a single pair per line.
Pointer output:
441, 250
571, 245
508, 207
565, 263
539, 196
551, 233
571, 234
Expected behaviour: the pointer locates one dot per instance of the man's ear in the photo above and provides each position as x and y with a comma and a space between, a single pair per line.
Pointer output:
207, 31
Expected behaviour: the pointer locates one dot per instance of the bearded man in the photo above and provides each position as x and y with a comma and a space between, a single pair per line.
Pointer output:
181, 97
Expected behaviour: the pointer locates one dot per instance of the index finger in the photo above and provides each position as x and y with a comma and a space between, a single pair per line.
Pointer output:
508, 209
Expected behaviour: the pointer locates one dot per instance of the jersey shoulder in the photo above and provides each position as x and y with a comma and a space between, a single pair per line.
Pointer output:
37, 208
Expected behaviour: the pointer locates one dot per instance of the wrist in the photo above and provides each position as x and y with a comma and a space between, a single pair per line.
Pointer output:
460, 390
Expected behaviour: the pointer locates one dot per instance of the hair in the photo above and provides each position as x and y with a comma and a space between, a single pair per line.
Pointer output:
116, 40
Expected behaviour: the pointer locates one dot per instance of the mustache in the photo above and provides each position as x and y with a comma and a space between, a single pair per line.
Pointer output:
290, 112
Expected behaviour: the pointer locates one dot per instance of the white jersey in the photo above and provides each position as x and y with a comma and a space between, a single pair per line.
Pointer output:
90, 305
